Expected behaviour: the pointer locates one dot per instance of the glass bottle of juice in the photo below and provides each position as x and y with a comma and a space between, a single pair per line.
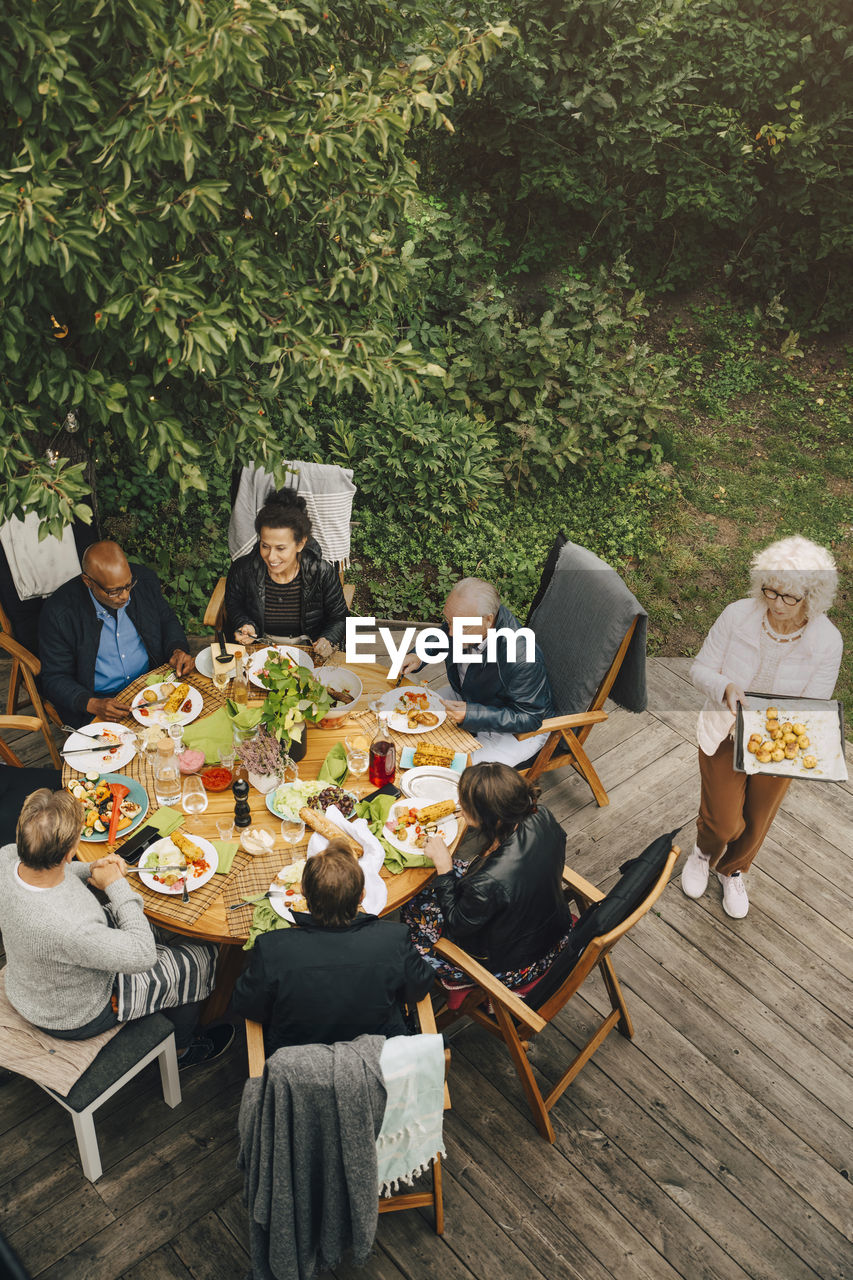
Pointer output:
240, 683
382, 762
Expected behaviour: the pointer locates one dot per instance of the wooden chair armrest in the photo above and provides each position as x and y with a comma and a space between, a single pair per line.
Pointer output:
26, 659
32, 723
555, 723
513, 1004
426, 1016
580, 887
255, 1048
214, 605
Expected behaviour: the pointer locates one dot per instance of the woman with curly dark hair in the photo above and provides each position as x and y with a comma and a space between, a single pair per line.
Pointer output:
506, 908
284, 588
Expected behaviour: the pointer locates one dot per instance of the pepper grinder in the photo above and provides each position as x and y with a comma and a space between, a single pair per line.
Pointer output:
242, 813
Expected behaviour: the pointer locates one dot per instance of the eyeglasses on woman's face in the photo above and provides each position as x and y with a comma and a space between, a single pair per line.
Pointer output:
770, 594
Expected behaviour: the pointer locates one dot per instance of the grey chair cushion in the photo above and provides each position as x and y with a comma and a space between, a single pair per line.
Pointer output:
116, 1059
580, 622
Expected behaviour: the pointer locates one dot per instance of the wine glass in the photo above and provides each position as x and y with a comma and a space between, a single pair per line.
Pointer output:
357, 749
194, 796
221, 675
288, 770
292, 830
176, 733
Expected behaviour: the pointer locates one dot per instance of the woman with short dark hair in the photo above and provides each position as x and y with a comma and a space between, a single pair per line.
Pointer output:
507, 908
340, 974
284, 588
75, 968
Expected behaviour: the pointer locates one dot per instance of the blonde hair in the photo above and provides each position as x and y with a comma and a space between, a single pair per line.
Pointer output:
49, 825
798, 567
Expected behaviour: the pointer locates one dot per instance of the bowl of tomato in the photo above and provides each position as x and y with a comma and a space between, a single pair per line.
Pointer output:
216, 779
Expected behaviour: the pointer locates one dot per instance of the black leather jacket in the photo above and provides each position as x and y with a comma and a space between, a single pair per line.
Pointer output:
324, 609
508, 909
503, 696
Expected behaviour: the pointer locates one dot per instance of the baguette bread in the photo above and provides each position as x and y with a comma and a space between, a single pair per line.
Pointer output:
320, 823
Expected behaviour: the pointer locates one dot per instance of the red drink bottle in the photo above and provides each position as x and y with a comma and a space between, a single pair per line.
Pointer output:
383, 755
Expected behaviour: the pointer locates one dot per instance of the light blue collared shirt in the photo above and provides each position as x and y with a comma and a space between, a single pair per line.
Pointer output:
121, 654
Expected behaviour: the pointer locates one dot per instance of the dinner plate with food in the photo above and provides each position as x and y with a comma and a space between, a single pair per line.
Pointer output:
408, 826
169, 702
111, 743
259, 660
413, 709
205, 659
290, 797
175, 858
286, 891
791, 738
94, 794
345, 688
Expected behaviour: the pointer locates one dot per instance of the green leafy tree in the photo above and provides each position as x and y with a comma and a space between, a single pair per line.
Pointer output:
198, 223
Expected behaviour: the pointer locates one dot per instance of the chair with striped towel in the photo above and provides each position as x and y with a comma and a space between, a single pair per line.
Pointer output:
328, 491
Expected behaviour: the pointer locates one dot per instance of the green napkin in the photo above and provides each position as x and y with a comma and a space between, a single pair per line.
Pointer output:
242, 716
165, 820
211, 735
376, 812
226, 850
154, 677
334, 767
264, 920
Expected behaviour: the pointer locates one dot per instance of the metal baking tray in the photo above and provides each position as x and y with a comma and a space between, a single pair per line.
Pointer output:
825, 720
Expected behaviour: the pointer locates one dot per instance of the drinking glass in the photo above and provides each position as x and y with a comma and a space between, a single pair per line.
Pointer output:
225, 826
221, 675
357, 749
176, 733
194, 797
292, 830
288, 770
226, 759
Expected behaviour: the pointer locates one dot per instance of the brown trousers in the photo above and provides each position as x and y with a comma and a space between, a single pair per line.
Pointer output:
735, 810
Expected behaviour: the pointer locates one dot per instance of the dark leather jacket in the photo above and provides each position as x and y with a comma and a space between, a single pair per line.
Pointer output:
70, 634
324, 609
503, 696
508, 909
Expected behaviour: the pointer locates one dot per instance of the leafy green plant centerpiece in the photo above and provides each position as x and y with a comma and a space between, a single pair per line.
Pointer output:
295, 699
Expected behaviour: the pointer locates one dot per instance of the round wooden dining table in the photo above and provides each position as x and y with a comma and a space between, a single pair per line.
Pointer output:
217, 923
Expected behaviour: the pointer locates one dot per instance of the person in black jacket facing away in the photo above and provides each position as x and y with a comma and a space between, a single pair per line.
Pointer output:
506, 909
284, 588
339, 974
100, 631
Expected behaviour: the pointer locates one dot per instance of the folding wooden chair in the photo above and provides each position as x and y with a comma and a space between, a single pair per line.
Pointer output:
515, 1018
26, 667
587, 623
402, 1200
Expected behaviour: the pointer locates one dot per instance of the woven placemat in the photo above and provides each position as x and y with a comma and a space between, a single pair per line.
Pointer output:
184, 913
445, 735
252, 879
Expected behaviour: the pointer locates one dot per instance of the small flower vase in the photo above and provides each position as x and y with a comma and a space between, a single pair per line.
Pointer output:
263, 782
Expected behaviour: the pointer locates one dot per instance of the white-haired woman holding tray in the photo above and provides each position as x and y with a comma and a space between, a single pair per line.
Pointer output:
779, 641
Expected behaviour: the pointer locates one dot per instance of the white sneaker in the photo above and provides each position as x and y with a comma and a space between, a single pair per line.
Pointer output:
735, 901
694, 873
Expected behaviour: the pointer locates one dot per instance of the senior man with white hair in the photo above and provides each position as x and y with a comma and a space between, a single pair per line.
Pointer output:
498, 698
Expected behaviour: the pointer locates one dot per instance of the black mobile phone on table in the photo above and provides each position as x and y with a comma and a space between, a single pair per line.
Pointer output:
388, 790
135, 845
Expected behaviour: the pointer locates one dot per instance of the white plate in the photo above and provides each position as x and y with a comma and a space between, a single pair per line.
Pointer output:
277, 902
429, 783
447, 826
398, 722
204, 660
259, 660
193, 882
159, 716
94, 761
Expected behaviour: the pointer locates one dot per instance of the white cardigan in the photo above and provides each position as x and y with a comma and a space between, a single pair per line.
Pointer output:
730, 655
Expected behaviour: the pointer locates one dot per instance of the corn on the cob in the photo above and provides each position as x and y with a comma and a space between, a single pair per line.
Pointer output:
173, 702
433, 812
429, 754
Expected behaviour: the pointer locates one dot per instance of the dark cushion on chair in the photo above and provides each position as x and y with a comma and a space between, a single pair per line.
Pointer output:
547, 574
635, 883
117, 1058
15, 786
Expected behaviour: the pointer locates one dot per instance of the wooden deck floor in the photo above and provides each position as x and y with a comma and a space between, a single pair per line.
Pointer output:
717, 1144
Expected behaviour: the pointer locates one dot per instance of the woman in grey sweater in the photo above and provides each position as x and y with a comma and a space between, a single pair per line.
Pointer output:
75, 967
